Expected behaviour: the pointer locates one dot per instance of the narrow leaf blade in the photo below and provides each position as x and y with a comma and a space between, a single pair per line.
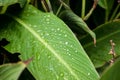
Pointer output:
112, 72
11, 71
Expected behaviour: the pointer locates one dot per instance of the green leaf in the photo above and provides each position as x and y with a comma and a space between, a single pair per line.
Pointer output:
112, 72
56, 52
106, 32
71, 17
11, 71
106, 4
4, 4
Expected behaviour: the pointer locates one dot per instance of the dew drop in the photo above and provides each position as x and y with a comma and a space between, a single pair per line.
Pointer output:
76, 51
88, 74
47, 19
47, 34
49, 57
61, 74
35, 26
28, 15
58, 29
38, 57
38, 30
48, 15
30, 25
59, 34
48, 22
71, 45
65, 35
66, 43
35, 12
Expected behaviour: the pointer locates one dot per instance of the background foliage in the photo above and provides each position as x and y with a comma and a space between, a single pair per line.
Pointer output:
50, 33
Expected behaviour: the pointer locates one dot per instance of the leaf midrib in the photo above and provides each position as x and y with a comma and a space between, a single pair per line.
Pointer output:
46, 45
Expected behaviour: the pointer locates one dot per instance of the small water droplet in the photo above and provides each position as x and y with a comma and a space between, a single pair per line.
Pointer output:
35, 26
69, 54
49, 57
71, 45
58, 29
27, 14
48, 22
38, 57
65, 35
61, 74
66, 43
76, 51
88, 74
59, 34
30, 25
47, 34
34, 11
47, 19
38, 30
48, 15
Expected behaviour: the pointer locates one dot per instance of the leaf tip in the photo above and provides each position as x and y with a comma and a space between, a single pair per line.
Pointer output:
28, 61
94, 41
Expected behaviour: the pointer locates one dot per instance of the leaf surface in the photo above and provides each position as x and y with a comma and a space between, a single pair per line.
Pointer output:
112, 72
106, 32
57, 54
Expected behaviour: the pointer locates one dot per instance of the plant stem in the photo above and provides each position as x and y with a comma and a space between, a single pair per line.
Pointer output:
83, 8
106, 12
65, 5
59, 9
114, 13
117, 16
91, 10
46, 5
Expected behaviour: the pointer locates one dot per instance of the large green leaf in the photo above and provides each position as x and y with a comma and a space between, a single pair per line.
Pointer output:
112, 72
57, 54
11, 71
106, 32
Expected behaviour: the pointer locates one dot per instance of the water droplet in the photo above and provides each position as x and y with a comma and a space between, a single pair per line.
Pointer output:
59, 34
47, 34
47, 19
61, 74
49, 57
65, 35
58, 29
76, 51
34, 11
48, 22
38, 30
30, 25
88, 74
27, 14
38, 57
35, 26
71, 45
48, 15
69, 54
66, 43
